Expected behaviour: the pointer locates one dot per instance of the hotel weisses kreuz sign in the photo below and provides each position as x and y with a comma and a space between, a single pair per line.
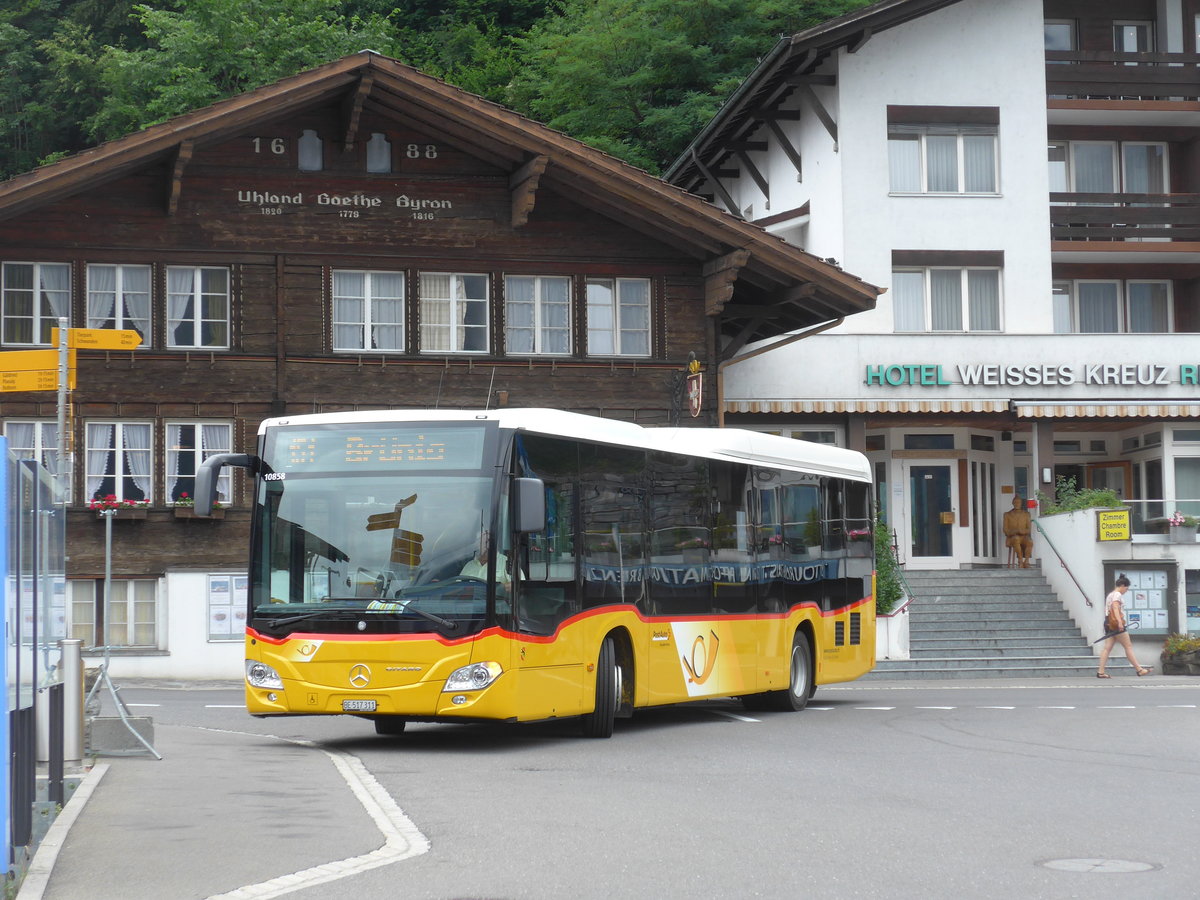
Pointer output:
1002, 375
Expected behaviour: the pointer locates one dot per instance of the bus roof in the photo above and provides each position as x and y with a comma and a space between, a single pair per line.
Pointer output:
730, 444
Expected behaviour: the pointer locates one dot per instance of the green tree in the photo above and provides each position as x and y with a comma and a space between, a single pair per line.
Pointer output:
211, 49
639, 78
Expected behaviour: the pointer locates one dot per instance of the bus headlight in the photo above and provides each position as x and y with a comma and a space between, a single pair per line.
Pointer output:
474, 677
260, 675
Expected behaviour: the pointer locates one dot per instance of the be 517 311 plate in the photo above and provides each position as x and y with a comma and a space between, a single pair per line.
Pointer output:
358, 706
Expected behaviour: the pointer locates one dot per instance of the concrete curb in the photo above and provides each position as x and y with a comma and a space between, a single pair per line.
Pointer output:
37, 877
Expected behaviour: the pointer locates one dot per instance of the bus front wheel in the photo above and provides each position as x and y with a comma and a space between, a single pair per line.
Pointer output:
599, 722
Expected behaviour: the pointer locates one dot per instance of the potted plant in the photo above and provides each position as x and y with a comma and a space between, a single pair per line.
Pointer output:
1183, 528
109, 506
1181, 655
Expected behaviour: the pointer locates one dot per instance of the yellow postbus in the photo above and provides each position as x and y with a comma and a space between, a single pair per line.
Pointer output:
527, 564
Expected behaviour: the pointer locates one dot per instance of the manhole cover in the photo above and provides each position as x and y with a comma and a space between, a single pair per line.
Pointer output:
1099, 866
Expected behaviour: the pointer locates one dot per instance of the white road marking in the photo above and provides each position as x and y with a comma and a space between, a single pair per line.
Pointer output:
402, 839
142, 704
1056, 707
729, 715
995, 707
879, 708
936, 707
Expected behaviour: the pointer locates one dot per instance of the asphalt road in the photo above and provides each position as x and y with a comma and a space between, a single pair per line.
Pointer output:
1017, 789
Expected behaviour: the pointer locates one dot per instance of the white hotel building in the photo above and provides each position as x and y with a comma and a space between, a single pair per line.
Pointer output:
1024, 178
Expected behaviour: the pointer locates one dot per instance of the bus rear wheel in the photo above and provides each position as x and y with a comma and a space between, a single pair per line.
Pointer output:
599, 722
801, 684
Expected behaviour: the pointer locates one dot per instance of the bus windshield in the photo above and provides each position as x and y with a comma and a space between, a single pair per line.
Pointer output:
408, 552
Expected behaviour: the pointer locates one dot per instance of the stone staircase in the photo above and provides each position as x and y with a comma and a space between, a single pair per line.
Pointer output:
991, 623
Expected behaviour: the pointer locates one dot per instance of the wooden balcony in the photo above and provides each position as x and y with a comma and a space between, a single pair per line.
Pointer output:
1124, 217
1108, 75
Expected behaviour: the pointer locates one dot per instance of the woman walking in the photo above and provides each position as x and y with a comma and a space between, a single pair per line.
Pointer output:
1116, 629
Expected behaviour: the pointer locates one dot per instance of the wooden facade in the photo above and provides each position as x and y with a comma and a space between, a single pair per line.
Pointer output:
296, 243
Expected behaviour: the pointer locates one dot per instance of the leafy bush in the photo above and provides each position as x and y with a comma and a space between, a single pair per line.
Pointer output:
1180, 643
1069, 498
888, 589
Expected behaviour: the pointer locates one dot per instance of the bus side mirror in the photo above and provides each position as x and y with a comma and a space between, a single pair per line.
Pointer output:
210, 470
529, 505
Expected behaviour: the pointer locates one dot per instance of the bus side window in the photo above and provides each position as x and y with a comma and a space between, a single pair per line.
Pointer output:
548, 592
612, 496
681, 538
732, 569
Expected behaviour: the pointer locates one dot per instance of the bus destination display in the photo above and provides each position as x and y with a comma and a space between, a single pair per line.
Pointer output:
346, 448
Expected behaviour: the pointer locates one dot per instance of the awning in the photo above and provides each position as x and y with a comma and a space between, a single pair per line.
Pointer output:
1106, 410
866, 406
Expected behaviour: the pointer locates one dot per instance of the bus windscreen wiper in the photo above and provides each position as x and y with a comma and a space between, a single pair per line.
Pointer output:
355, 613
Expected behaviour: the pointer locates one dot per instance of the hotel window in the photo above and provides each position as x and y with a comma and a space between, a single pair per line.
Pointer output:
34, 440
197, 308
942, 159
118, 461
35, 296
946, 299
537, 314
1108, 167
368, 311
1112, 307
188, 445
454, 313
119, 297
379, 154
618, 316
132, 613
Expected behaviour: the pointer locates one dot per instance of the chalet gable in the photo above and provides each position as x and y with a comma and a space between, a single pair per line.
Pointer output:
755, 285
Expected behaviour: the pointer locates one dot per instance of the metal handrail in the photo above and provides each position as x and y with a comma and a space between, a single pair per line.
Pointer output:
1062, 562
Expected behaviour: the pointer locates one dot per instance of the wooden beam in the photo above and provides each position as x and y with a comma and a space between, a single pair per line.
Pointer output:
713, 180
822, 113
743, 146
523, 184
860, 39
804, 291
823, 80
742, 338
768, 115
352, 107
756, 175
788, 148
183, 155
719, 277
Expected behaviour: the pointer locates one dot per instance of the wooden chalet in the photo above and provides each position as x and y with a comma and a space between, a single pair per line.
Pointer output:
357, 236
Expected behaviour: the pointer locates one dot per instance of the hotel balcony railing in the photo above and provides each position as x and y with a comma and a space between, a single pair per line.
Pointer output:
1109, 75
1124, 217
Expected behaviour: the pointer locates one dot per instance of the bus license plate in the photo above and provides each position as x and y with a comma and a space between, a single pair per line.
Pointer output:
358, 706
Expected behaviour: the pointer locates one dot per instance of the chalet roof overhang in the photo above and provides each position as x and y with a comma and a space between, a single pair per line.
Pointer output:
789, 67
756, 285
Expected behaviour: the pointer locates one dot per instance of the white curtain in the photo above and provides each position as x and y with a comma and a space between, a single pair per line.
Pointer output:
1148, 307
979, 157
1093, 168
1099, 310
435, 313
99, 453
387, 311
181, 286
634, 311
941, 155
137, 455
56, 290
983, 299
102, 296
1061, 300
908, 301
945, 288
349, 310
135, 299
904, 162
218, 439
600, 320
556, 315
519, 318
174, 452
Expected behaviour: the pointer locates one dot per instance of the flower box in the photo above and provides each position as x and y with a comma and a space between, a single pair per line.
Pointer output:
189, 512
128, 512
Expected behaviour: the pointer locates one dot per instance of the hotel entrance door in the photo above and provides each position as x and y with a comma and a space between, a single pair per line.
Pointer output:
930, 514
